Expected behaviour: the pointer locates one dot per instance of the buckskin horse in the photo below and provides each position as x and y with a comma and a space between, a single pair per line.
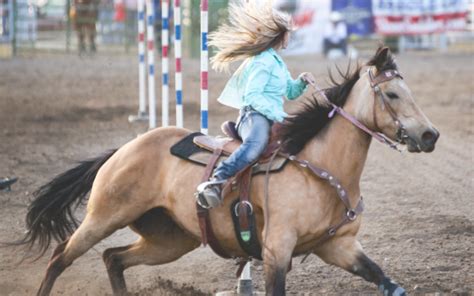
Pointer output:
142, 186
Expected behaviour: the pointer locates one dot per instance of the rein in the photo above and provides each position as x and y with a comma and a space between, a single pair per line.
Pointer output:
374, 83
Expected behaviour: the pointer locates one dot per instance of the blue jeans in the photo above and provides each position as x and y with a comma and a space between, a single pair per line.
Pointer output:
254, 129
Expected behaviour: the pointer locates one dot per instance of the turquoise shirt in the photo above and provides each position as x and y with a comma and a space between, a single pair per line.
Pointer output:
262, 82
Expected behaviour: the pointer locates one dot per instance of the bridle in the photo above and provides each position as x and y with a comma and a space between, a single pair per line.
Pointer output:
382, 77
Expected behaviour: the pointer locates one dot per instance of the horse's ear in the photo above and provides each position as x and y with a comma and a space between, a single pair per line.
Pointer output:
383, 53
381, 57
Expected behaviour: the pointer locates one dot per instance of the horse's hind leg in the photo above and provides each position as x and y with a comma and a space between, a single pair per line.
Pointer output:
115, 269
162, 242
347, 253
86, 236
142, 252
55, 267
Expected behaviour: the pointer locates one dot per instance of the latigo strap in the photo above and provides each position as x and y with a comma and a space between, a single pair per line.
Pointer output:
207, 233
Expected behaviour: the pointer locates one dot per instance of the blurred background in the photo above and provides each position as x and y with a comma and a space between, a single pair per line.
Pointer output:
48, 25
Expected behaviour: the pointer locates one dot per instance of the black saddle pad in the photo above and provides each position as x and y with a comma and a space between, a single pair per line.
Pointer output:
185, 148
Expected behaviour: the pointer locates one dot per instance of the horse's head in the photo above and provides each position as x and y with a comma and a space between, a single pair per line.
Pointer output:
394, 111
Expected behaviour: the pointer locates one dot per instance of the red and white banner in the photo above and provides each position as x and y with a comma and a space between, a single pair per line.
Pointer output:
405, 17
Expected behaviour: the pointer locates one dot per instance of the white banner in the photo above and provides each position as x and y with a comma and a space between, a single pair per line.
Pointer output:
405, 17
310, 19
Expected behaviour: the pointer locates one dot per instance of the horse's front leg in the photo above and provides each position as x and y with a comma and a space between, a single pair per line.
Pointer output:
347, 253
277, 252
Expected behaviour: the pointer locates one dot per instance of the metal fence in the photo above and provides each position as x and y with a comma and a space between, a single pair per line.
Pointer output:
53, 25
6, 21
17, 25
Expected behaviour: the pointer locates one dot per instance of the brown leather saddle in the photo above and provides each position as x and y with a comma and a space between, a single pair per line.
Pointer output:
241, 181
230, 143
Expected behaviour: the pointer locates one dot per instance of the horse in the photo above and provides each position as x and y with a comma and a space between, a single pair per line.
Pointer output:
142, 186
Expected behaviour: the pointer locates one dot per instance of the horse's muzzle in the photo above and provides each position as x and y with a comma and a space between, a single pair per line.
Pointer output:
428, 139
425, 142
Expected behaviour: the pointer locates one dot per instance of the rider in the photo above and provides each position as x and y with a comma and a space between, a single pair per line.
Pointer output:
258, 86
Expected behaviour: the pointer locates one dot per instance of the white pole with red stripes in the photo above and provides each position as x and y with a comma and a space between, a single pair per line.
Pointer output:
141, 59
177, 56
151, 63
142, 112
204, 67
164, 62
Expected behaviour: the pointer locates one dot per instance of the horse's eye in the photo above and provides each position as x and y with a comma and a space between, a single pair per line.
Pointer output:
392, 95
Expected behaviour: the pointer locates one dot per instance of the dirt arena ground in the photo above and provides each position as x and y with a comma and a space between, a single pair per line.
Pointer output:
418, 226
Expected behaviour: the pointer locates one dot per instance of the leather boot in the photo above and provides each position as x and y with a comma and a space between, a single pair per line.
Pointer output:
209, 193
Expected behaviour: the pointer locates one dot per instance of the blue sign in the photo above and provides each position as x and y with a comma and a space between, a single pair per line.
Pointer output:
357, 15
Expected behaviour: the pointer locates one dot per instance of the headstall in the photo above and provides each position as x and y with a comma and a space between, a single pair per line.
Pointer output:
383, 76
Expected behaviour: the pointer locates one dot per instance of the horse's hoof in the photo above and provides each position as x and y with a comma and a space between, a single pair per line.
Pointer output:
390, 288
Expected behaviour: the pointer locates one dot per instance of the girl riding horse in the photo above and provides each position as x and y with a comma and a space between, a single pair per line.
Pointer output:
143, 186
257, 88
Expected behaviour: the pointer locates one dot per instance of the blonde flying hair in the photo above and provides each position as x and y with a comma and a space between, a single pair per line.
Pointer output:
251, 29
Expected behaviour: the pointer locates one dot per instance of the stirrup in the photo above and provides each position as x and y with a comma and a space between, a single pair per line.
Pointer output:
203, 186
201, 197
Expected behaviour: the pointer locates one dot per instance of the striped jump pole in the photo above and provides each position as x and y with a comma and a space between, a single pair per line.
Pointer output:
164, 62
204, 67
142, 112
151, 63
141, 60
177, 56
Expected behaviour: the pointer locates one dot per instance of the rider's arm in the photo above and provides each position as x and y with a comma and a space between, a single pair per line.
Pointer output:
295, 87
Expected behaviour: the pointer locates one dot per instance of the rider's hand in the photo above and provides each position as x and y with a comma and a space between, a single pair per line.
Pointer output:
307, 78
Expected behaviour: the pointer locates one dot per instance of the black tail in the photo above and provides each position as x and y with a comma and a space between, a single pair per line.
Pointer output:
51, 214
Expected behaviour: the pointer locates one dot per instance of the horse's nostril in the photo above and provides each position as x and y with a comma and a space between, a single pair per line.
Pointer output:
428, 137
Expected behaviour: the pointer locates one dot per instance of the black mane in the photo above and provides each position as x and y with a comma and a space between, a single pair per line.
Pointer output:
302, 126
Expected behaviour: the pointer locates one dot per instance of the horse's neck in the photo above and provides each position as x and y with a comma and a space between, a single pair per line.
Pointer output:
341, 149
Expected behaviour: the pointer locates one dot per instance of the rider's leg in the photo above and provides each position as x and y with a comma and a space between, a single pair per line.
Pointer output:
81, 36
254, 128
